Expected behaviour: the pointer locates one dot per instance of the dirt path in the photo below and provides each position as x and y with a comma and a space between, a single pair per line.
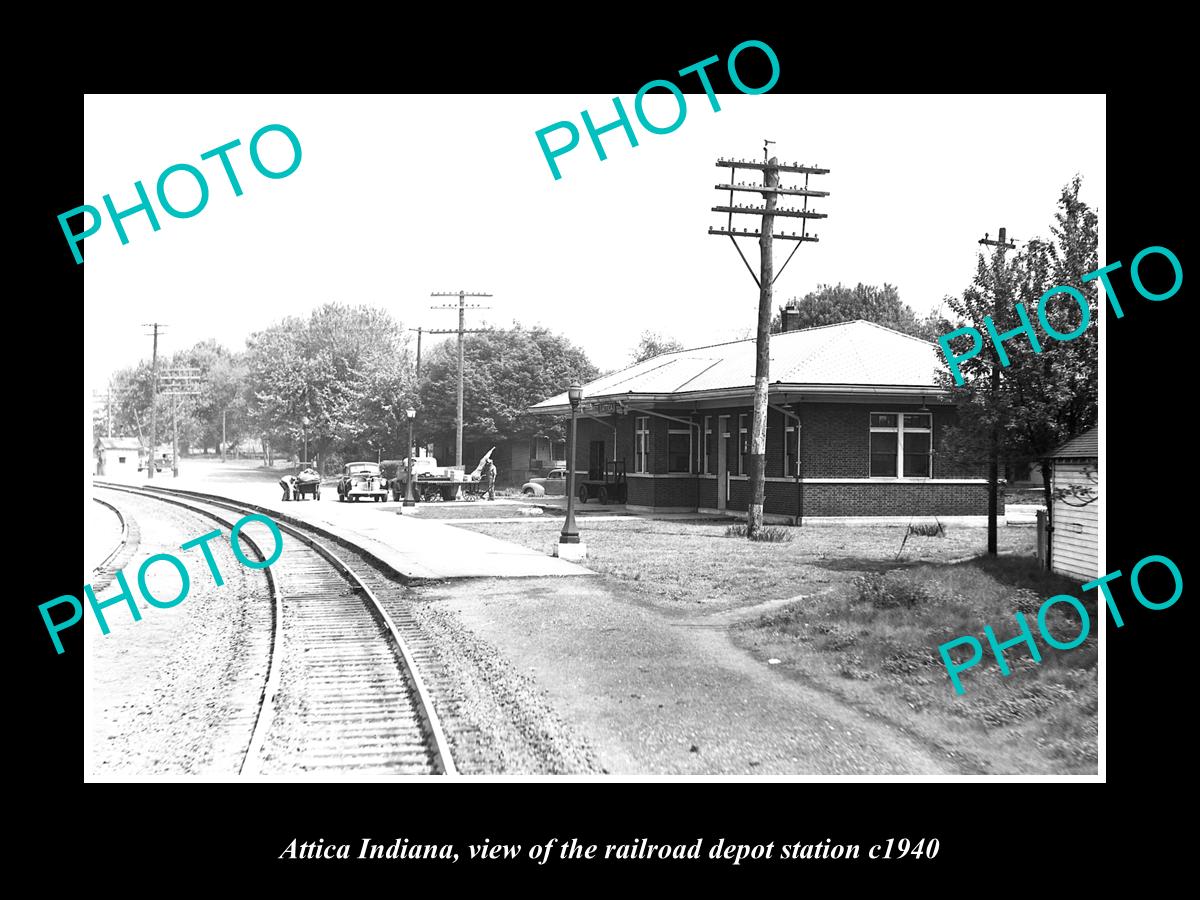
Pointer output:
658, 693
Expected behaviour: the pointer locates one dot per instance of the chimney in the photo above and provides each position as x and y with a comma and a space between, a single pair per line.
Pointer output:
790, 316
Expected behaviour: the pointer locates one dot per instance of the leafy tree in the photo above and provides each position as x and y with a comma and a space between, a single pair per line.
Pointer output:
345, 369
1044, 398
505, 371
653, 344
832, 305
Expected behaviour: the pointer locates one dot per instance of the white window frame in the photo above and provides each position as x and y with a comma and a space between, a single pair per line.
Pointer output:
641, 445
704, 462
691, 449
899, 431
743, 448
788, 430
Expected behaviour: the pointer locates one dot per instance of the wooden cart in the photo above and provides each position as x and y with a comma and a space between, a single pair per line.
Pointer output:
608, 486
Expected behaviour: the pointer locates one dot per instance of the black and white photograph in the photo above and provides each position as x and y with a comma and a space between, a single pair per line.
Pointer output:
534, 436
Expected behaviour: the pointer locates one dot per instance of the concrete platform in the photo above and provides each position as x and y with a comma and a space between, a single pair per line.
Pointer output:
415, 548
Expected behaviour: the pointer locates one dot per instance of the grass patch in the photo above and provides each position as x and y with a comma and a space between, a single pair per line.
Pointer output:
874, 641
771, 534
672, 563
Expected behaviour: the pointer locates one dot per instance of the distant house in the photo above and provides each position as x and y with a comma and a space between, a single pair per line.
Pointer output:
855, 427
1074, 517
117, 456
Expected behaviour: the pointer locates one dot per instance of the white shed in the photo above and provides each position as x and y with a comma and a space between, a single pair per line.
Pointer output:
1075, 515
119, 456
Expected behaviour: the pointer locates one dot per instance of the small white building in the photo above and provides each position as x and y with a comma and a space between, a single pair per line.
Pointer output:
1075, 511
118, 456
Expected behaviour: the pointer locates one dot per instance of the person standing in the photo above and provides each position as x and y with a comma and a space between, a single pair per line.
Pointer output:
490, 475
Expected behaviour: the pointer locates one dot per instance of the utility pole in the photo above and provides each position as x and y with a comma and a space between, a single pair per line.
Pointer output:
462, 306
418, 331
223, 435
765, 233
153, 398
180, 381
1002, 245
106, 400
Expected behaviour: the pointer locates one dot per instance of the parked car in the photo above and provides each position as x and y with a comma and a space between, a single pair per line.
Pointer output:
361, 479
554, 482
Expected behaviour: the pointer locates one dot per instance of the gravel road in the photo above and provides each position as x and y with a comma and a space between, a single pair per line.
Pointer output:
176, 693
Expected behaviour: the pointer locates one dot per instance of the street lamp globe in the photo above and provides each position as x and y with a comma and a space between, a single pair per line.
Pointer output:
575, 394
411, 413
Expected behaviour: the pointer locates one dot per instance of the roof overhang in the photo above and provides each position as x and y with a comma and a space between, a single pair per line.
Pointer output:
607, 404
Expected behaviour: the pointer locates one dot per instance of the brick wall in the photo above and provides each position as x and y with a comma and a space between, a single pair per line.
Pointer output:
928, 498
663, 492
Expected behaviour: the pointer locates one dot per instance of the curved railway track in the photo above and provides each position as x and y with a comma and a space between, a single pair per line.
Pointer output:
105, 571
343, 692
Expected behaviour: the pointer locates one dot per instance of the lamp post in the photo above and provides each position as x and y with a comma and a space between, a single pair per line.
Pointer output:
408, 488
570, 534
304, 426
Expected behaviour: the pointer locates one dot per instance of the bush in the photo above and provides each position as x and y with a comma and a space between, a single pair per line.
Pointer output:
773, 534
926, 529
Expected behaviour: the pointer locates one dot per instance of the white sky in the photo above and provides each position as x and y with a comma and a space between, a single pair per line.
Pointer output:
398, 196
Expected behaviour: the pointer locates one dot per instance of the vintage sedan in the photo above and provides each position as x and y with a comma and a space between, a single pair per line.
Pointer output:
554, 482
362, 479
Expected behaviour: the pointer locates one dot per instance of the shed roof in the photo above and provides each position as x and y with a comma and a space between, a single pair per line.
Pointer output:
856, 355
119, 443
1082, 446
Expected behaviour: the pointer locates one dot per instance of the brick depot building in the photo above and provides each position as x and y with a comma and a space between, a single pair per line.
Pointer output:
854, 428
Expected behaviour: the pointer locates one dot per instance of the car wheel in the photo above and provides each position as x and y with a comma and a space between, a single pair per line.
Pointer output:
583, 493
528, 492
602, 496
317, 495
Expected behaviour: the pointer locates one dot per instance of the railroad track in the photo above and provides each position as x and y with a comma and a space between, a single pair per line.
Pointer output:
343, 693
105, 571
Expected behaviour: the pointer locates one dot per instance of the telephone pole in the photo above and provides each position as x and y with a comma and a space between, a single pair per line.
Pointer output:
418, 331
462, 306
765, 233
106, 400
1002, 246
180, 381
157, 326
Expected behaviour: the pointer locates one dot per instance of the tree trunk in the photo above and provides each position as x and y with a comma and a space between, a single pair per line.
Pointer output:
1048, 494
762, 366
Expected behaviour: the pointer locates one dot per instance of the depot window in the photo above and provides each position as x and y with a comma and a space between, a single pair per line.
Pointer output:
679, 450
901, 443
641, 444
